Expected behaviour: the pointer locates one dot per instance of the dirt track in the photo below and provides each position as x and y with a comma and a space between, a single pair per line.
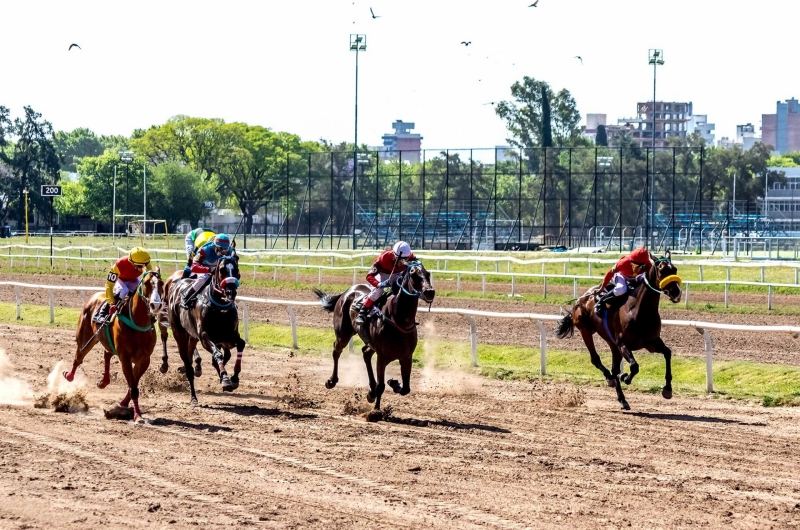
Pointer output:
768, 348
459, 452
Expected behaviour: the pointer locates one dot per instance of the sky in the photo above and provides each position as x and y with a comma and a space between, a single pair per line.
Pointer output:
287, 65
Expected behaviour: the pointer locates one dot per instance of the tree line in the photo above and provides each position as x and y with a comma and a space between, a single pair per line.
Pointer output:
191, 160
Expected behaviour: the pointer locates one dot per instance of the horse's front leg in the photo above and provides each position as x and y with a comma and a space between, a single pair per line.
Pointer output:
658, 346
237, 368
106, 371
405, 374
138, 371
368, 352
218, 360
164, 368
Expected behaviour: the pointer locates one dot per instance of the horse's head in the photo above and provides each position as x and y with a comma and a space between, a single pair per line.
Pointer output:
417, 281
227, 277
667, 278
153, 290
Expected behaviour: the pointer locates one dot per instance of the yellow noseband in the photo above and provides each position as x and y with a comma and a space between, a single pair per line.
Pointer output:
669, 279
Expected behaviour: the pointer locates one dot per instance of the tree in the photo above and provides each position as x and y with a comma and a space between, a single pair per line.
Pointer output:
602, 138
31, 159
177, 193
524, 115
76, 144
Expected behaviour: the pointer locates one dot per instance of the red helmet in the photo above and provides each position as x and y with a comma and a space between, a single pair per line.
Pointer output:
640, 256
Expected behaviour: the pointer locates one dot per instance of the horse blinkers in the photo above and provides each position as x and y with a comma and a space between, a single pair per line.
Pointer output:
669, 281
425, 290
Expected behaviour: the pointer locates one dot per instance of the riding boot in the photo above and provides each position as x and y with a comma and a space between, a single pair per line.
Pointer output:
188, 298
362, 313
601, 302
186, 272
102, 314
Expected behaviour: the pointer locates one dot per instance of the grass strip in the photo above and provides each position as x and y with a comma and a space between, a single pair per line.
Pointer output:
768, 384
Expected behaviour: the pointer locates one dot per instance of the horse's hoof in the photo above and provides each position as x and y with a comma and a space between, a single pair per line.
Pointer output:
235, 382
68, 376
198, 370
164, 368
611, 383
182, 370
370, 397
624, 405
666, 393
225, 381
394, 385
193, 401
103, 383
625, 378
330, 383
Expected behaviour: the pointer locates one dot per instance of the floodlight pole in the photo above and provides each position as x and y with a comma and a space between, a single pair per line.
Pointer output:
114, 207
144, 212
358, 42
656, 57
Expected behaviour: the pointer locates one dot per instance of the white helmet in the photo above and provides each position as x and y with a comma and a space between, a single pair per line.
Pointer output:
401, 249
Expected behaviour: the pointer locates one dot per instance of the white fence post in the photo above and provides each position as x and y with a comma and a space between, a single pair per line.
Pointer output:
483, 280
297, 275
575, 287
293, 321
769, 297
709, 359
19, 302
545, 287
458, 282
701, 272
513, 284
762, 274
473, 339
246, 318
726, 296
542, 347
52, 307
319, 276
686, 293
354, 275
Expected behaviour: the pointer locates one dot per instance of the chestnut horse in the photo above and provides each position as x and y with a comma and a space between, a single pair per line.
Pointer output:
213, 321
131, 336
393, 337
633, 326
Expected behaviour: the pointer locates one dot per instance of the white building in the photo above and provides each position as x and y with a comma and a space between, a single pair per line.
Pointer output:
699, 123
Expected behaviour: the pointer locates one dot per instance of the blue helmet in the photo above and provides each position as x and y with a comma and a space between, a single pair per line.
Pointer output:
222, 243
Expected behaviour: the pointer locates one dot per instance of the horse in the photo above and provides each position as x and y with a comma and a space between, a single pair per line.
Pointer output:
130, 336
213, 321
632, 326
393, 337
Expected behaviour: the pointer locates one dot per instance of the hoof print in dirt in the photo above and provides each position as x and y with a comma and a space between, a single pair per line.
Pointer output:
379, 415
119, 413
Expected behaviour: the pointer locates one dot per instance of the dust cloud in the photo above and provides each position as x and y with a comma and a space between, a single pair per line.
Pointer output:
13, 391
62, 395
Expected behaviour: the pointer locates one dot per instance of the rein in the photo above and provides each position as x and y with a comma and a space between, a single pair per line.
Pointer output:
128, 320
218, 288
416, 294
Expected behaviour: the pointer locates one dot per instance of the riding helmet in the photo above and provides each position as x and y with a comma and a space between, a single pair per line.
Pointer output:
640, 256
401, 249
223, 242
139, 256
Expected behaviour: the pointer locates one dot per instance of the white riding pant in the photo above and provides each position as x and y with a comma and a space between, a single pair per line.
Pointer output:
189, 242
376, 293
122, 288
620, 282
201, 279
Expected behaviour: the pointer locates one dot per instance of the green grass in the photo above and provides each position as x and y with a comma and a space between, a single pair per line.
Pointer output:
770, 385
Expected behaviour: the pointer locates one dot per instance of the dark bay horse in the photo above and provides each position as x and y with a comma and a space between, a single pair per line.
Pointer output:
131, 336
393, 337
633, 326
213, 322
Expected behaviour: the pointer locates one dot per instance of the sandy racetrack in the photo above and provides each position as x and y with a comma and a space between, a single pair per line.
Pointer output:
459, 452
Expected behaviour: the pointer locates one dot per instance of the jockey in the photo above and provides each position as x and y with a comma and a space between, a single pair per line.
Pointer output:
193, 241
207, 256
123, 279
630, 268
389, 266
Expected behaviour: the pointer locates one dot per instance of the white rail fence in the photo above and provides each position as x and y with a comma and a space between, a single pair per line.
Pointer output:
102, 262
468, 314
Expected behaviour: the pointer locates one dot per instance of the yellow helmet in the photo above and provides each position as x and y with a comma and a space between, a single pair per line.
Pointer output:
204, 238
139, 256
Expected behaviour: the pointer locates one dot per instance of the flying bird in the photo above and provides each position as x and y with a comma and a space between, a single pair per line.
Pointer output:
73, 45
465, 43
373, 13
535, 4
579, 58
490, 103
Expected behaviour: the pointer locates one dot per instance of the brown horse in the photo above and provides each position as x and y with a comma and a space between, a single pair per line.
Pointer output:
163, 322
213, 322
633, 326
393, 337
131, 336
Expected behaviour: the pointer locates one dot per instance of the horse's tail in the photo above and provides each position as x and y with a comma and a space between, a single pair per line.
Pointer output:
566, 327
328, 302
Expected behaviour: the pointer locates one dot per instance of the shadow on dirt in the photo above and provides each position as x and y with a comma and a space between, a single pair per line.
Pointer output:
689, 417
446, 425
164, 422
253, 410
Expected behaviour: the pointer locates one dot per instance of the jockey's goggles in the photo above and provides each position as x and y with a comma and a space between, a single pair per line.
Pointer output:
222, 250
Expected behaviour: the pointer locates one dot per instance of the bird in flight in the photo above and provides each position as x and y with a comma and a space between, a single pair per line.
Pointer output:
73, 45
466, 43
535, 4
490, 103
373, 13
579, 58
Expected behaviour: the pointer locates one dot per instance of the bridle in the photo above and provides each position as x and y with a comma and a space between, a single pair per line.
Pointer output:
664, 281
218, 286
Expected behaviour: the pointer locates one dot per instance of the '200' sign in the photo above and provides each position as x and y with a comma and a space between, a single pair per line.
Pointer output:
51, 191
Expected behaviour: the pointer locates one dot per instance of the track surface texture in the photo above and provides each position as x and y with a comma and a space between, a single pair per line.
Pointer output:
458, 452
728, 345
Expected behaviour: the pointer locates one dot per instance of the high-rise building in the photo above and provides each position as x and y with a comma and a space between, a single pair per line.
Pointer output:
698, 123
402, 140
671, 119
782, 129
